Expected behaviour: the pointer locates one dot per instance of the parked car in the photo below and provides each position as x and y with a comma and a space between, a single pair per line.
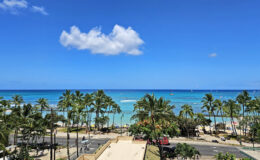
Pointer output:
215, 141
162, 141
223, 138
168, 149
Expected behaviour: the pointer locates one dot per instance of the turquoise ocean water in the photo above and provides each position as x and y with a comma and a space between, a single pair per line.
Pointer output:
126, 98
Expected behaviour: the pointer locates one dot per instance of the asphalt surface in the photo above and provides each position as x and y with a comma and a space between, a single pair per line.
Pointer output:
93, 144
90, 147
212, 150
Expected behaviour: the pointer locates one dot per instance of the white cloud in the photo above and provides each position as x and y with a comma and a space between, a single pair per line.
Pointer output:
39, 9
120, 40
213, 55
13, 5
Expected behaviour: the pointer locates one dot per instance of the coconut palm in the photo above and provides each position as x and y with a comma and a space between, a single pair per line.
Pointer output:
4, 127
5, 105
4, 134
219, 107
164, 110
149, 107
88, 102
109, 103
232, 109
207, 104
140, 113
42, 103
157, 113
66, 102
186, 110
214, 110
243, 99
17, 100
77, 107
116, 110
99, 106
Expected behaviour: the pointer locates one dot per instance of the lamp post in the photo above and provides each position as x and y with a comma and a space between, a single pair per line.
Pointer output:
51, 133
55, 144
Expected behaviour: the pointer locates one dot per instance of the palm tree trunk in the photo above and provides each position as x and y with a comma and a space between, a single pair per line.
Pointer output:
233, 125
215, 123
113, 120
210, 124
243, 127
97, 119
78, 139
64, 117
43, 138
4, 154
68, 135
108, 116
223, 121
15, 136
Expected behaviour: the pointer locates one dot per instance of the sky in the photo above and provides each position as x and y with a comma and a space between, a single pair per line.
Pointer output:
130, 44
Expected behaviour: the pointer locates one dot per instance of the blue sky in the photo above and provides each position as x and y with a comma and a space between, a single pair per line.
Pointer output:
176, 44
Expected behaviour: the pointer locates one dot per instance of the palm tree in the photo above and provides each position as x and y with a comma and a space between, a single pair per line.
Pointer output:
207, 104
17, 100
109, 103
156, 110
140, 113
232, 109
216, 105
6, 104
66, 102
77, 107
42, 103
4, 134
187, 110
88, 102
4, 128
115, 109
219, 106
99, 106
243, 99
164, 110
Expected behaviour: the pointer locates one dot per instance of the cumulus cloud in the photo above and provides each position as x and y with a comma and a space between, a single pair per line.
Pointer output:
13, 5
212, 55
120, 40
39, 9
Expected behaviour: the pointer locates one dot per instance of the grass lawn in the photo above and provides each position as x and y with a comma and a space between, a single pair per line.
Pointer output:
152, 153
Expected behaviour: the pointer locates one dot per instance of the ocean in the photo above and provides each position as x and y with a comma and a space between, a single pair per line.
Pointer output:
127, 98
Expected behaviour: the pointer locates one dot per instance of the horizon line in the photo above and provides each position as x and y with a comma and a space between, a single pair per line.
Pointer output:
38, 89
